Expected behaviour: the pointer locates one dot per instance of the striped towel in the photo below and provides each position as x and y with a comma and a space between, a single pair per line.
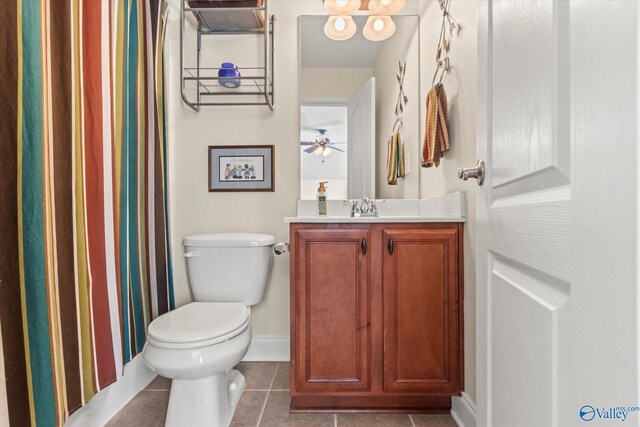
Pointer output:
395, 159
436, 135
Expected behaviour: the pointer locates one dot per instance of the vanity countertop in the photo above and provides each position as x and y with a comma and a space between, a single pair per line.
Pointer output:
446, 208
365, 220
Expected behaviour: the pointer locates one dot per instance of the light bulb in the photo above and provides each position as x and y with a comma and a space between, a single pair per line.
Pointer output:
326, 151
385, 2
339, 25
343, 3
378, 24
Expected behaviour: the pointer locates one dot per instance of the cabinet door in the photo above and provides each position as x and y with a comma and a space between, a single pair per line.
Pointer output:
332, 338
420, 314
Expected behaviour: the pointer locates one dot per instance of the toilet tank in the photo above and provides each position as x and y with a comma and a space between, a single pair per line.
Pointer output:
229, 267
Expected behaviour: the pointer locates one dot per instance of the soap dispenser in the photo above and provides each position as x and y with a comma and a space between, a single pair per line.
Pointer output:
322, 198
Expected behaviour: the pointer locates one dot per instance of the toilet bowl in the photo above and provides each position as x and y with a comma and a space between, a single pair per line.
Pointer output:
198, 344
205, 389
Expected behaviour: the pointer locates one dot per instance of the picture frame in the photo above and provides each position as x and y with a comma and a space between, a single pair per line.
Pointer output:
241, 168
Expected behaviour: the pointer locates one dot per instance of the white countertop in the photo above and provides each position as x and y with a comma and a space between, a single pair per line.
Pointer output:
446, 208
365, 220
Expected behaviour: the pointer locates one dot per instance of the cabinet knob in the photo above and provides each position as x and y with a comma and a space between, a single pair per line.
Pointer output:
390, 246
364, 246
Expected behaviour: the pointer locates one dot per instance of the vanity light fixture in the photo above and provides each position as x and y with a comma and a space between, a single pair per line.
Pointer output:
385, 7
340, 27
379, 28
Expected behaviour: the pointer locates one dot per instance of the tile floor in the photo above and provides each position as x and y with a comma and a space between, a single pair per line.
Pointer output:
264, 403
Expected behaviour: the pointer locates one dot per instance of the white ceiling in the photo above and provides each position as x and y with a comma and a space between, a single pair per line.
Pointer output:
331, 118
318, 50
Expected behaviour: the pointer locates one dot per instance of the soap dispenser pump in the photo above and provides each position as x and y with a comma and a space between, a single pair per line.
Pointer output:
322, 199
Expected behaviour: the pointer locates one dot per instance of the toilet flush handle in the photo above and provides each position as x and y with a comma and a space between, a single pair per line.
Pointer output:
192, 254
280, 248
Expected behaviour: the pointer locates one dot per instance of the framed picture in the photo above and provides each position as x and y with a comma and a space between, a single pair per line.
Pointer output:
241, 168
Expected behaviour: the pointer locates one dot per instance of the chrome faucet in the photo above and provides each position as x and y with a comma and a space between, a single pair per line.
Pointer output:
363, 208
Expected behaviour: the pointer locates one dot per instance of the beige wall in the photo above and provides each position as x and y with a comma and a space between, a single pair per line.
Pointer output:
193, 209
461, 87
403, 46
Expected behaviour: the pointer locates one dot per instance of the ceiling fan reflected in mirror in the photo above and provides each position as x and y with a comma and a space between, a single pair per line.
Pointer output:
322, 145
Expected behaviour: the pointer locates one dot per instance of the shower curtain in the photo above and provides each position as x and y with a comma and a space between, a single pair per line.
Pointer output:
84, 251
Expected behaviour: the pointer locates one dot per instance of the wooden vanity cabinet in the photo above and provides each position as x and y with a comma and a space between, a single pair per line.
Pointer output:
376, 316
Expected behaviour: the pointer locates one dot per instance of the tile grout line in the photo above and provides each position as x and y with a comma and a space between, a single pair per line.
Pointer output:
266, 398
411, 419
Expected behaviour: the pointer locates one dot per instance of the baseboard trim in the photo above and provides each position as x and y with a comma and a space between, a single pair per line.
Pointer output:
463, 411
108, 402
268, 348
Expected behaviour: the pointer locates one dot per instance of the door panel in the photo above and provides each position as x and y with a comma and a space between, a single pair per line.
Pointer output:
525, 317
333, 337
530, 103
420, 286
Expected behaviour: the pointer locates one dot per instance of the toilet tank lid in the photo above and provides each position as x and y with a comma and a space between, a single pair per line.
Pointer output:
228, 239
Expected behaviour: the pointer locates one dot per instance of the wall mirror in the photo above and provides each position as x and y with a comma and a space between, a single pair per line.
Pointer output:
348, 95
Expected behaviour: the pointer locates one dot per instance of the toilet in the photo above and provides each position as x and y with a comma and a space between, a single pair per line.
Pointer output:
198, 344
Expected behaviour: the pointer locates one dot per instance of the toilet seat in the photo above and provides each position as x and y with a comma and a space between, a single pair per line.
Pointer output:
199, 324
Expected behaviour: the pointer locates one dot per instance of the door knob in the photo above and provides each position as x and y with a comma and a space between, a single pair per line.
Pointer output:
477, 172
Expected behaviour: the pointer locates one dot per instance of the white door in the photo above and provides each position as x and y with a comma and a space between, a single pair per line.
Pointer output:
361, 125
557, 286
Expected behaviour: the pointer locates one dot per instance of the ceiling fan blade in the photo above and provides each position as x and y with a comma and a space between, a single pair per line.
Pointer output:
311, 149
337, 149
307, 142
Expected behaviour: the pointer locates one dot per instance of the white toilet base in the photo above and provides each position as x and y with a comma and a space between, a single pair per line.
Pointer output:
205, 389
209, 401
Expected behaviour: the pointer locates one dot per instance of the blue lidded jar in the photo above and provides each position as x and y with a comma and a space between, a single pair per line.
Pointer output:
226, 75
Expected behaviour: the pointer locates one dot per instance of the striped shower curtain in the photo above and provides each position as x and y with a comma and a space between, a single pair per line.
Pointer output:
84, 253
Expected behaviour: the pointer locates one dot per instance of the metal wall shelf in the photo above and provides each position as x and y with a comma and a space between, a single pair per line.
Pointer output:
257, 86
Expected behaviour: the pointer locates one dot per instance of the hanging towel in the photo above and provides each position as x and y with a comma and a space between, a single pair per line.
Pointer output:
400, 152
395, 159
436, 135
392, 161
